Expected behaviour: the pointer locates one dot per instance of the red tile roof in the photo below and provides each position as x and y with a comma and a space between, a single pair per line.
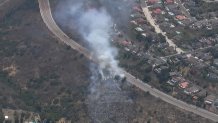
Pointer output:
152, 1
180, 17
157, 11
184, 85
169, 1
125, 43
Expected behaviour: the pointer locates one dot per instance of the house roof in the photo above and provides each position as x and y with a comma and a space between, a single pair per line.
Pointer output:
157, 11
152, 1
144, 34
210, 98
193, 89
180, 17
169, 1
139, 29
134, 22
184, 84
125, 42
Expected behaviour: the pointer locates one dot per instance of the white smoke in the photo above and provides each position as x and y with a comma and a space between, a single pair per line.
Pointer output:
96, 27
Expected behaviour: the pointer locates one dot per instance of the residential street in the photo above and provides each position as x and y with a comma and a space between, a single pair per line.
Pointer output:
148, 16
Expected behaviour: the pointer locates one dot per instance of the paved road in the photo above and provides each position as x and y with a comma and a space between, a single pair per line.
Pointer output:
45, 11
151, 20
50, 23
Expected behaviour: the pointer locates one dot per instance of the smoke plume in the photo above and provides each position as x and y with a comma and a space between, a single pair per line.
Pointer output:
95, 26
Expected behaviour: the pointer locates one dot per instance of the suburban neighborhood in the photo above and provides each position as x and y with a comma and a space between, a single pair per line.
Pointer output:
190, 75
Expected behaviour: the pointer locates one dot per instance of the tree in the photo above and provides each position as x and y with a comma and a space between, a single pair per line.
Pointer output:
148, 38
1, 116
68, 47
162, 3
146, 78
117, 77
123, 79
148, 68
16, 117
162, 38
164, 75
166, 88
214, 52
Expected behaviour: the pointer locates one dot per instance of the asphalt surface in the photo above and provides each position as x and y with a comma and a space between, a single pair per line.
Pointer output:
52, 26
46, 14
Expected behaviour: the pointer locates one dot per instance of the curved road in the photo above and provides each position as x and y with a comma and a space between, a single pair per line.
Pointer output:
46, 14
52, 26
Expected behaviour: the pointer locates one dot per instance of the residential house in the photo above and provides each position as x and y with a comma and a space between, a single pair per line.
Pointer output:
174, 81
192, 90
157, 11
152, 1
210, 99
169, 1
181, 17
184, 84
